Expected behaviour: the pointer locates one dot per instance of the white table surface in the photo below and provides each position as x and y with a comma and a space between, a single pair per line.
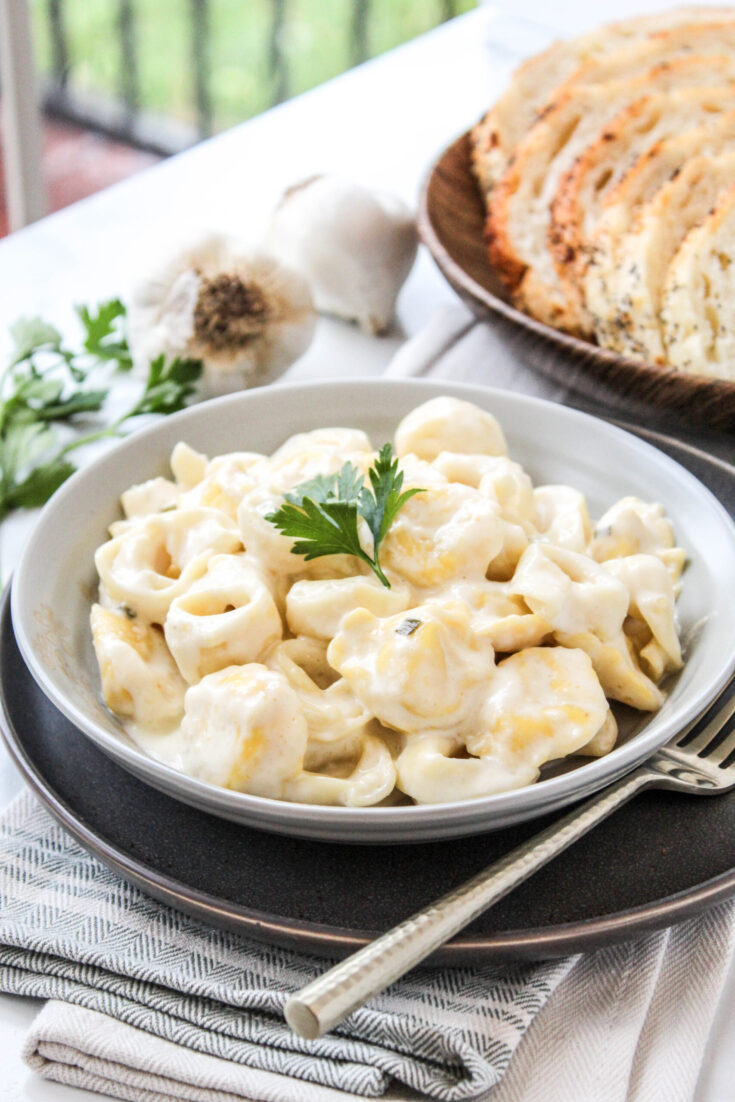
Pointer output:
382, 124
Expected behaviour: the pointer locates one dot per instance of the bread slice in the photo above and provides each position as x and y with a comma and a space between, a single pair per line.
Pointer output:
713, 37
647, 251
582, 190
519, 208
534, 82
622, 205
698, 295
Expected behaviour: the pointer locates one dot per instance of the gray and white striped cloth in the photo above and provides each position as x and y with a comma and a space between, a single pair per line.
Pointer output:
149, 1005
72, 930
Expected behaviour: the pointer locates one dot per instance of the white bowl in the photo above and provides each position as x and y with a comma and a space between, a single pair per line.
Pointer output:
56, 582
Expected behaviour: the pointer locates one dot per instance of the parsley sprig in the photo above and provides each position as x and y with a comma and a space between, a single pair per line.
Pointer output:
321, 515
46, 384
105, 333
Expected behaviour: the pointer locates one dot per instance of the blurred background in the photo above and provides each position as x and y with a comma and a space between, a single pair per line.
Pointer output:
123, 83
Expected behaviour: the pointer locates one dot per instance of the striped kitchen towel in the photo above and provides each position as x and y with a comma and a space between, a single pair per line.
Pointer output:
149, 1005
73, 931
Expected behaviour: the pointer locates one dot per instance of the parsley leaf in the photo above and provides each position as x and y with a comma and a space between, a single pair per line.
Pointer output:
22, 443
105, 333
321, 515
381, 506
38, 486
326, 528
83, 401
345, 485
31, 334
169, 386
43, 386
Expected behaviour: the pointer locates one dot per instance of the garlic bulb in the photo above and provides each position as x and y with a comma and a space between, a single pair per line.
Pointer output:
245, 315
354, 246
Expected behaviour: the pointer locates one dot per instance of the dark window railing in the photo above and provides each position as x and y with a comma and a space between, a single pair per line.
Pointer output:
268, 30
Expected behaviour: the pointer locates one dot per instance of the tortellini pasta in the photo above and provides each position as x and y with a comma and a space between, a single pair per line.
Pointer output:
571, 591
139, 676
632, 526
152, 496
546, 702
187, 466
332, 712
561, 517
505, 620
225, 482
242, 728
152, 562
412, 672
651, 604
316, 607
509, 622
226, 618
449, 425
446, 532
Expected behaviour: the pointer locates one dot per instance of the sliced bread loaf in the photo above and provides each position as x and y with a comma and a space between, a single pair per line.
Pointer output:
582, 190
697, 316
534, 82
647, 251
519, 208
662, 47
621, 207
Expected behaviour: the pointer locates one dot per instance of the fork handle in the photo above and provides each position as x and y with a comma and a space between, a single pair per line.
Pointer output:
323, 1003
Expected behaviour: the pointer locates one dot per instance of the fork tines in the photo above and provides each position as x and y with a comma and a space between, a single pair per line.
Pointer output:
712, 736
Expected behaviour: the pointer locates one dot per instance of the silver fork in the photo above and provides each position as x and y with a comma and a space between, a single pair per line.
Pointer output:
700, 760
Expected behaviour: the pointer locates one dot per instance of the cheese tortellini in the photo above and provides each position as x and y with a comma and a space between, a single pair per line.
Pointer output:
510, 620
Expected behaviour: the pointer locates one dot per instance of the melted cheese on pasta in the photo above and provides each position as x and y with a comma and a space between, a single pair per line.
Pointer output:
510, 622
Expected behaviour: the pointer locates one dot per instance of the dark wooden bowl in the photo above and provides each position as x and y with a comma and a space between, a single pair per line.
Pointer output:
451, 223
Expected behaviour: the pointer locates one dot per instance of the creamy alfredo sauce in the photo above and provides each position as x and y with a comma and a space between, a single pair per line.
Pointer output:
510, 622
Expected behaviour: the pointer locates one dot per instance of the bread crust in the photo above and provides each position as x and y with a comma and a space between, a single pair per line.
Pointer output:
538, 80
518, 217
489, 158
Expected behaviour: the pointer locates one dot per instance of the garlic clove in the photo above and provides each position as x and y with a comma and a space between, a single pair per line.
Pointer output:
244, 314
355, 246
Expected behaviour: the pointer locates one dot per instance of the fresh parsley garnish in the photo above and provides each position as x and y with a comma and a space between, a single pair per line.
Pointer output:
408, 627
105, 333
46, 384
33, 335
345, 485
170, 384
321, 515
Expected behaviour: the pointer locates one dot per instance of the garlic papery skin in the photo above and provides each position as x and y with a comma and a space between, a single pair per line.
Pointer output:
244, 314
355, 247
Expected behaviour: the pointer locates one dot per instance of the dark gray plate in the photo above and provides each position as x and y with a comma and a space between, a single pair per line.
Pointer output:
658, 860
